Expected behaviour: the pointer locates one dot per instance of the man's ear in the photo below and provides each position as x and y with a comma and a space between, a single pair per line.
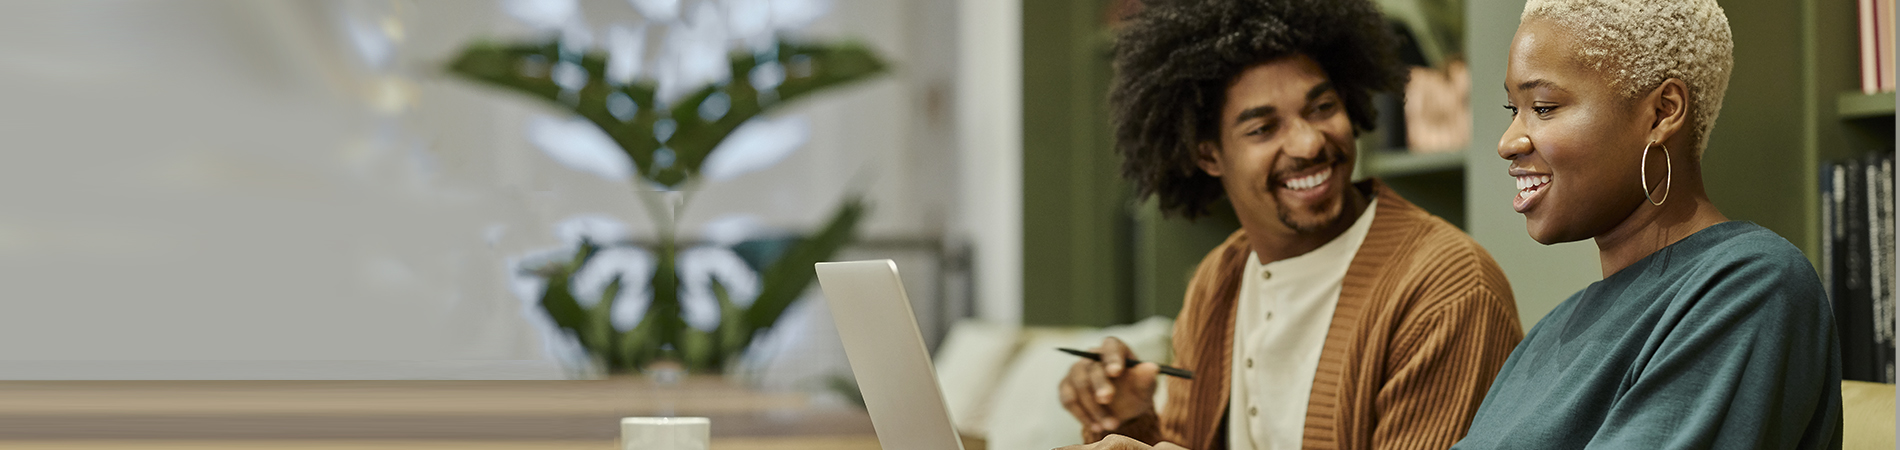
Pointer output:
1207, 155
1669, 105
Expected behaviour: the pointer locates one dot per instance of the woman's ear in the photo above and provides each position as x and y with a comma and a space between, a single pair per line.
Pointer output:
1207, 155
1669, 104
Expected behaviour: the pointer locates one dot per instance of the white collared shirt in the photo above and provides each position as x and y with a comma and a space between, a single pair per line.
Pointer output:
1285, 308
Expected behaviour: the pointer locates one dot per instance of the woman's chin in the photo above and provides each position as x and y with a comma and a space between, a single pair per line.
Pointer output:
1544, 239
1545, 234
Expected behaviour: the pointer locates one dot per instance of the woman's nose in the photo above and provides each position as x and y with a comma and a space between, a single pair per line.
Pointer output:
1514, 143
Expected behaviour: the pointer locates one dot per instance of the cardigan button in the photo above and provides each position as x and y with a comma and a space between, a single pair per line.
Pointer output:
1250, 363
1253, 411
1266, 275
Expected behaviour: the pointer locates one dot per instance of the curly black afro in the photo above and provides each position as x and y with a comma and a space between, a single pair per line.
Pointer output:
1174, 60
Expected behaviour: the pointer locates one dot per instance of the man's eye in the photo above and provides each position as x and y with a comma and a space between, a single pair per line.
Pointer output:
1257, 131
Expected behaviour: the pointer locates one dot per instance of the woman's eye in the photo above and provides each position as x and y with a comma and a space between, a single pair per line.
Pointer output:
1542, 110
1512, 109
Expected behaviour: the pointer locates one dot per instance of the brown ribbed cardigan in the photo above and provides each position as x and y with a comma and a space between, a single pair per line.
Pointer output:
1425, 320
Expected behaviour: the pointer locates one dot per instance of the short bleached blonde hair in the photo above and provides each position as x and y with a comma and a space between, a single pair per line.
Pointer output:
1641, 43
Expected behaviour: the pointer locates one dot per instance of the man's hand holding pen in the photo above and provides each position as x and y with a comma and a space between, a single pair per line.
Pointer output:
1104, 395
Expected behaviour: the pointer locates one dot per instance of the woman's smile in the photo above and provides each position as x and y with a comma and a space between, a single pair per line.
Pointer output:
1530, 187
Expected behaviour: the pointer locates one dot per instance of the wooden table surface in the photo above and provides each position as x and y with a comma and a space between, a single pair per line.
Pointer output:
482, 415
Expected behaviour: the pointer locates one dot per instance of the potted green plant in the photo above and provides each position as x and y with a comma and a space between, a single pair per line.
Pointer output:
668, 133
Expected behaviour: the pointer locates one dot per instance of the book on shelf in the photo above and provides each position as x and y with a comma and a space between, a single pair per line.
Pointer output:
1881, 240
1876, 46
1858, 262
1884, 38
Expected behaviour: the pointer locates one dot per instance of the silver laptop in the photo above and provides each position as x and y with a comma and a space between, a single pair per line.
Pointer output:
887, 355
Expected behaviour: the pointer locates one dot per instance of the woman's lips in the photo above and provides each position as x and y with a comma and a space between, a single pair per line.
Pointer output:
1530, 187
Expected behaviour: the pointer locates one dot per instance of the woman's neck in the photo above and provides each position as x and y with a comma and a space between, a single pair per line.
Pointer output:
1650, 228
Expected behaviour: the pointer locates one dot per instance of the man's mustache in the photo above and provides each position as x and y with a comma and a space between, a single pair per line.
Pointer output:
1325, 158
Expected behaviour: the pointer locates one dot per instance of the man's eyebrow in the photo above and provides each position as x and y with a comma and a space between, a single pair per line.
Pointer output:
1253, 113
1263, 111
1318, 90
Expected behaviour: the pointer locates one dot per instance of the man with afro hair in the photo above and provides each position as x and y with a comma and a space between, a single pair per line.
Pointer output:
1340, 315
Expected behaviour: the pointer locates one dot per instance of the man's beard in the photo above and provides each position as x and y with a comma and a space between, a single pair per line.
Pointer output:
1327, 213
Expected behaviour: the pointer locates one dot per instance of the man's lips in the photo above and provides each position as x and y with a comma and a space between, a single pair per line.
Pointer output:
1306, 181
1308, 185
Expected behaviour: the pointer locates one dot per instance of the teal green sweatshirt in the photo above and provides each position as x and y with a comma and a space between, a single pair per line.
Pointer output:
1723, 340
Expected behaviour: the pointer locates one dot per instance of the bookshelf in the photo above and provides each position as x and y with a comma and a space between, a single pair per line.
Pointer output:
1401, 163
1434, 181
1857, 105
1849, 128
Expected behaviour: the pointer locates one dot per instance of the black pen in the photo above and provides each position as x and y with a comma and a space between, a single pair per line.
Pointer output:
1165, 370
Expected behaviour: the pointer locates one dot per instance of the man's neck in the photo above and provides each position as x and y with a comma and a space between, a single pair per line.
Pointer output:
1273, 240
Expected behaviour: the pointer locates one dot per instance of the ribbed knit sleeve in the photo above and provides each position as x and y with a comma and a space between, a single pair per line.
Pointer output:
1461, 328
1442, 361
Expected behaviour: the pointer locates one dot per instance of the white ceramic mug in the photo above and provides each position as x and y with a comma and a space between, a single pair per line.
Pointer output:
665, 433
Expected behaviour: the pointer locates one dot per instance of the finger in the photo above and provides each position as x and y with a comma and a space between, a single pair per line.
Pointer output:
1100, 384
1119, 442
1168, 446
1142, 376
1071, 402
1082, 386
1114, 355
1098, 415
1137, 387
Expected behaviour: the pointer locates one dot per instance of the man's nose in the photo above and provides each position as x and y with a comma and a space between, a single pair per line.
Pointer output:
1304, 140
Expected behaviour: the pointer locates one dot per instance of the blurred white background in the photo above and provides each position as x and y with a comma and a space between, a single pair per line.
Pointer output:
233, 189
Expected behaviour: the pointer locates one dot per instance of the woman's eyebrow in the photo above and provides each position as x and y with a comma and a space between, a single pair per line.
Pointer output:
1539, 83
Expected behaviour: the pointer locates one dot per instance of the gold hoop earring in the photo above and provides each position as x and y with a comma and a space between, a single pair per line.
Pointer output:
1669, 174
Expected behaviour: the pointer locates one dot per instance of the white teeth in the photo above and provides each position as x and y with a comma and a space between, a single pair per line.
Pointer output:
1309, 181
1531, 181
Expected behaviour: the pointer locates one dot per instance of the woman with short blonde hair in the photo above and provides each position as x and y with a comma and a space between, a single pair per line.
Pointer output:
1704, 332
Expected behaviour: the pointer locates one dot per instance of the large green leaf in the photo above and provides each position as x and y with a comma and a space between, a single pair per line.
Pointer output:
529, 68
732, 329
793, 272
559, 303
557, 298
598, 332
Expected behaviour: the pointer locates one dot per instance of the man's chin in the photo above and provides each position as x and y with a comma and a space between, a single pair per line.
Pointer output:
1311, 221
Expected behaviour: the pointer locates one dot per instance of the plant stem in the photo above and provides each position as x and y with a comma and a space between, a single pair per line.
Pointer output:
671, 328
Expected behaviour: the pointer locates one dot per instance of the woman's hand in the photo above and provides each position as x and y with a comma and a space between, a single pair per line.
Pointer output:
1103, 395
1119, 442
